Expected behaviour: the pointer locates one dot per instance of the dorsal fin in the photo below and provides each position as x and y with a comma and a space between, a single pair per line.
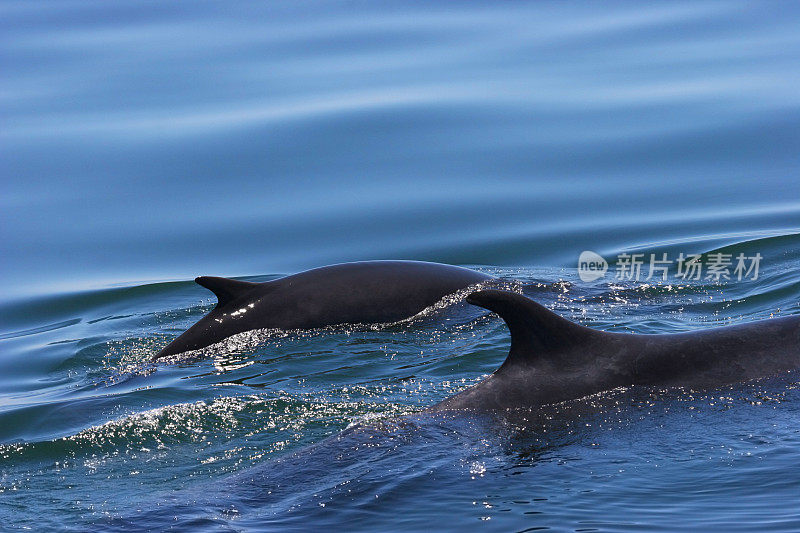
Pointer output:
536, 332
225, 289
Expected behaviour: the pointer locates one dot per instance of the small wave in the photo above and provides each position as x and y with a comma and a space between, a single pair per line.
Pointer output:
40, 329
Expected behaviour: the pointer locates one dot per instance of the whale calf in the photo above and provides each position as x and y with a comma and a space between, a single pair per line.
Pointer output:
553, 360
367, 292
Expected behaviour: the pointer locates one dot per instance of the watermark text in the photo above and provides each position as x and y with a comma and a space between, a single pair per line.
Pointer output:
715, 267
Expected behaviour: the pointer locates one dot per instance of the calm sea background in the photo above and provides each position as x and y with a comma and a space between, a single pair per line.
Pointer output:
145, 143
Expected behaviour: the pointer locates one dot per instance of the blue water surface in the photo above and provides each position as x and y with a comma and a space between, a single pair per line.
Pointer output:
145, 143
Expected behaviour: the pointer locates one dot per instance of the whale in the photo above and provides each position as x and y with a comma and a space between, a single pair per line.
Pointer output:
366, 292
553, 360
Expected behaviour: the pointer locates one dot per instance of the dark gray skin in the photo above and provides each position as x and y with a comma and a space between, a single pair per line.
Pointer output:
552, 359
369, 292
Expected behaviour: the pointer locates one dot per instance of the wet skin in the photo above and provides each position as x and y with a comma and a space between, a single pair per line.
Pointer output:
369, 292
552, 359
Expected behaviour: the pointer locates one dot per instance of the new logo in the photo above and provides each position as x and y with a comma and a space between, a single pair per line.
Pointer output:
591, 266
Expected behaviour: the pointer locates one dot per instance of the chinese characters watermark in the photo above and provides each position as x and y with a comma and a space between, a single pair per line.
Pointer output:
716, 266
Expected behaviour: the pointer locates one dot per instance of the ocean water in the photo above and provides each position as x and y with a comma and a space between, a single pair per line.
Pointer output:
145, 143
